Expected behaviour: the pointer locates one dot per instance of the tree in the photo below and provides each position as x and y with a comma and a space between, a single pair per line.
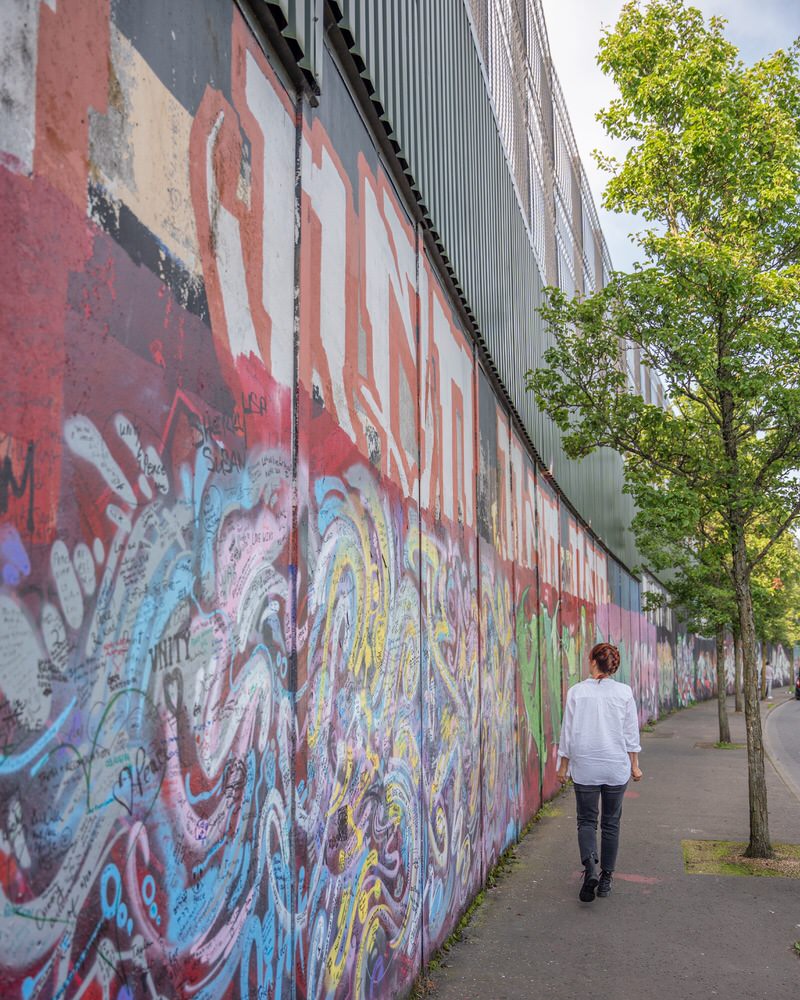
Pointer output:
675, 534
713, 168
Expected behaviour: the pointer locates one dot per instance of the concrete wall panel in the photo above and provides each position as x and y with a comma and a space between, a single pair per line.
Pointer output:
549, 630
359, 819
451, 685
526, 631
498, 659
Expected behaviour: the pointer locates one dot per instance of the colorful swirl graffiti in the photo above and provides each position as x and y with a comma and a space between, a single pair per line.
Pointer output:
359, 887
451, 730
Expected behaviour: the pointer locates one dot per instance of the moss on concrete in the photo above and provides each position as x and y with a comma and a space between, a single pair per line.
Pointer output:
726, 857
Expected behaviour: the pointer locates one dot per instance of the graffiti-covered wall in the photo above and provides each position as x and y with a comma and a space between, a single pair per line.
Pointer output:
287, 609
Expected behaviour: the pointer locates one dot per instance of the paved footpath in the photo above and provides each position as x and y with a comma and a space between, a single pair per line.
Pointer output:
662, 933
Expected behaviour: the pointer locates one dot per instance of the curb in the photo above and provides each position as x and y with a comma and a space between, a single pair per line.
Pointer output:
773, 758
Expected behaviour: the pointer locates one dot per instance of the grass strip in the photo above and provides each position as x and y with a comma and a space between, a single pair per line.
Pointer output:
726, 857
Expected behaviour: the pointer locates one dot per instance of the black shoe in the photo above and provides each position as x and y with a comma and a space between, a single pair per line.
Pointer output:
590, 880
604, 886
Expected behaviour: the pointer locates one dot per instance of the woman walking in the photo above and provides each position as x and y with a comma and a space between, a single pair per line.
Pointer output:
599, 748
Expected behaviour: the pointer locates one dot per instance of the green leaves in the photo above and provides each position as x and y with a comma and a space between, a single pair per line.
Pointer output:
714, 144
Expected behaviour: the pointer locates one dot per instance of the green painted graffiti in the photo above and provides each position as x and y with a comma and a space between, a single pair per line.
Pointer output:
527, 628
551, 660
574, 646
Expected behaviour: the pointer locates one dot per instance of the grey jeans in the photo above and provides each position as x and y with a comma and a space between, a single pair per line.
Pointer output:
588, 799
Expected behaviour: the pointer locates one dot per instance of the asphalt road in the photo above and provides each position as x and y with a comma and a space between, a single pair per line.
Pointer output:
783, 742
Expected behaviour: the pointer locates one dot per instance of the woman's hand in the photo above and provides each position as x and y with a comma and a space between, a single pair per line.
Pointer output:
561, 773
636, 773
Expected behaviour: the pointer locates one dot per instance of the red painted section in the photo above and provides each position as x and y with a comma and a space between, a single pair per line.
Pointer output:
638, 879
51, 240
72, 81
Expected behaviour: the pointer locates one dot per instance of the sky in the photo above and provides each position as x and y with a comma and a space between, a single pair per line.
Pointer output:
757, 27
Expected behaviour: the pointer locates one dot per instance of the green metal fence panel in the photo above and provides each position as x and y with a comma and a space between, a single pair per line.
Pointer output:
302, 25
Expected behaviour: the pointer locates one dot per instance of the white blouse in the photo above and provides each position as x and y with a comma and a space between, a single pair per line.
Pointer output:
600, 728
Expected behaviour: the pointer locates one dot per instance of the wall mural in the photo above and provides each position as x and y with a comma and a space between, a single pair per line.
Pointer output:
146, 786
730, 663
287, 609
451, 696
577, 609
550, 662
705, 659
530, 719
498, 656
781, 657
361, 827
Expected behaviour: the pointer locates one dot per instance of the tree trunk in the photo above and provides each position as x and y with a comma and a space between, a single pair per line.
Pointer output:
759, 846
722, 685
737, 683
763, 692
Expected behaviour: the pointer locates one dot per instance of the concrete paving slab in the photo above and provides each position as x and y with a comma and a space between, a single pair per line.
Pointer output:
661, 933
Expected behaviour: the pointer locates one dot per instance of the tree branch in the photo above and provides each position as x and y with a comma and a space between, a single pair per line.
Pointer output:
778, 452
793, 515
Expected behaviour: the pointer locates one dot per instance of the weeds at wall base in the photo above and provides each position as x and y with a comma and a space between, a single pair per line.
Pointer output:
424, 986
